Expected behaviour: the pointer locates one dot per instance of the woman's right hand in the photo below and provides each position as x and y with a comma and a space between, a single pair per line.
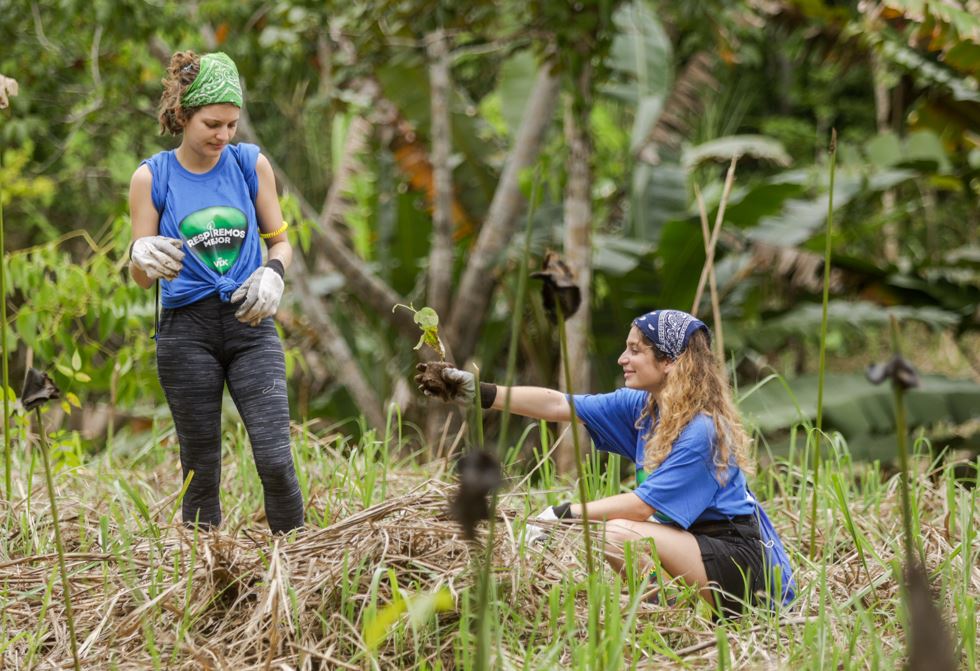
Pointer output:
444, 381
158, 256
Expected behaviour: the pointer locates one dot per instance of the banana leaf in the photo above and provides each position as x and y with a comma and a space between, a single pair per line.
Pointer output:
855, 407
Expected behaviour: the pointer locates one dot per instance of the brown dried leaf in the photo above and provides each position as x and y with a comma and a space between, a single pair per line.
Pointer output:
559, 289
38, 389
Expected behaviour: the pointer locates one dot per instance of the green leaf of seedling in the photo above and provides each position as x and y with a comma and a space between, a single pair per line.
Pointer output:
427, 319
65, 370
66, 407
73, 399
83, 377
76, 361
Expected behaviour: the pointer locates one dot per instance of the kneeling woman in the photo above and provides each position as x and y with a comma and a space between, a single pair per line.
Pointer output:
676, 421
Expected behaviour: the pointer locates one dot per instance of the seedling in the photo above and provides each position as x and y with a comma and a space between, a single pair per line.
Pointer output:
428, 321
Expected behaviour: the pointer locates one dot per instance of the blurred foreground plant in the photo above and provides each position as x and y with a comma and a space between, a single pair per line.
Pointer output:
38, 390
562, 297
929, 644
8, 86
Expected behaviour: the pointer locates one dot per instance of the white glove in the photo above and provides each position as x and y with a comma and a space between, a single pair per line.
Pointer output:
535, 534
262, 292
464, 382
158, 256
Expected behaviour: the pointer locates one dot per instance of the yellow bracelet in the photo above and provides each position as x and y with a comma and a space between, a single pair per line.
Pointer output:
278, 231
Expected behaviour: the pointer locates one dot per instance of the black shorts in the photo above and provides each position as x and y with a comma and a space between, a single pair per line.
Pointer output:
732, 553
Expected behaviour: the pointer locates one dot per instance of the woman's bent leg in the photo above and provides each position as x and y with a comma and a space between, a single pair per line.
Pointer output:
677, 549
257, 382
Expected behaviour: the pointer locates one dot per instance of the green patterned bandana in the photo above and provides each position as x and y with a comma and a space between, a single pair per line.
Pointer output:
217, 82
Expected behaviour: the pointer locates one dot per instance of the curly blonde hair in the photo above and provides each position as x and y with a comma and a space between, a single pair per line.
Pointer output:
181, 73
696, 384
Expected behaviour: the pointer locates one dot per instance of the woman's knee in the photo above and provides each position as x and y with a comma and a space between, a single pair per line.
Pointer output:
278, 477
617, 533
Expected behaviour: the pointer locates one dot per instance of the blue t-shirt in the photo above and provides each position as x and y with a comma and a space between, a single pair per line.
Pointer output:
684, 488
214, 214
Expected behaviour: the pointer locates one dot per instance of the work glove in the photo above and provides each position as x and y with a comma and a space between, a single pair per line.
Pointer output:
534, 534
261, 293
442, 380
158, 256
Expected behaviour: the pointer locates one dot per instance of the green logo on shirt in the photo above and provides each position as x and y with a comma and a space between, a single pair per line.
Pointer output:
215, 236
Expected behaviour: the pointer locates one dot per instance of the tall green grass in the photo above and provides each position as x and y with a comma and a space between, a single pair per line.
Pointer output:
4, 362
546, 610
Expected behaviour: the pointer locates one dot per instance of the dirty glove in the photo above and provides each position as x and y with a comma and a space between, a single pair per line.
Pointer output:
535, 534
442, 380
262, 292
158, 256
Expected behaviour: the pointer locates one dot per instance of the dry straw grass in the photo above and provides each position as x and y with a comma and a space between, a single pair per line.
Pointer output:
243, 600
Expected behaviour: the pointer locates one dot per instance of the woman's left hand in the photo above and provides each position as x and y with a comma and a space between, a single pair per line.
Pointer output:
534, 533
261, 292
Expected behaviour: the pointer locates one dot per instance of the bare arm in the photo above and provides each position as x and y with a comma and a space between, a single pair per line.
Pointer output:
537, 402
143, 216
627, 506
270, 214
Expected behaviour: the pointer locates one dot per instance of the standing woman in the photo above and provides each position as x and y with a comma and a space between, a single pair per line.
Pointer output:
676, 421
198, 213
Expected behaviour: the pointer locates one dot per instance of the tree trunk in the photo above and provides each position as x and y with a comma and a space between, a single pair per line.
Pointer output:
578, 256
314, 309
441, 253
363, 282
477, 283
332, 340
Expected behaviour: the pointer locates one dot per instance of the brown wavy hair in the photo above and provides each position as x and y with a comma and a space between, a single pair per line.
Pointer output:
696, 384
181, 73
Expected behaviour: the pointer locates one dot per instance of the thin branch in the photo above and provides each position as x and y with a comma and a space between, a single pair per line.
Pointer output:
709, 260
715, 306
477, 283
39, 30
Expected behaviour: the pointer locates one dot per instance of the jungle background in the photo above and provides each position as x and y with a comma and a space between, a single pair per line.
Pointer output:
399, 191
419, 144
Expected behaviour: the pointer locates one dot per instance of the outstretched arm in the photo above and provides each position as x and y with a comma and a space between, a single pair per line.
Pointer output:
444, 381
537, 402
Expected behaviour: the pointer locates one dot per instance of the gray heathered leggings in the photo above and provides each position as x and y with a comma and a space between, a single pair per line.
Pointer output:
199, 348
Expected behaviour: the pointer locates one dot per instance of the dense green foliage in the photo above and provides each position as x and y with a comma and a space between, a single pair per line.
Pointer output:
678, 89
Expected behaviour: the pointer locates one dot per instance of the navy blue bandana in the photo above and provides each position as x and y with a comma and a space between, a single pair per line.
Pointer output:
670, 330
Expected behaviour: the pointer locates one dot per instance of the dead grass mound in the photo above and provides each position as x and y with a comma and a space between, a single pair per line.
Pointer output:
251, 601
